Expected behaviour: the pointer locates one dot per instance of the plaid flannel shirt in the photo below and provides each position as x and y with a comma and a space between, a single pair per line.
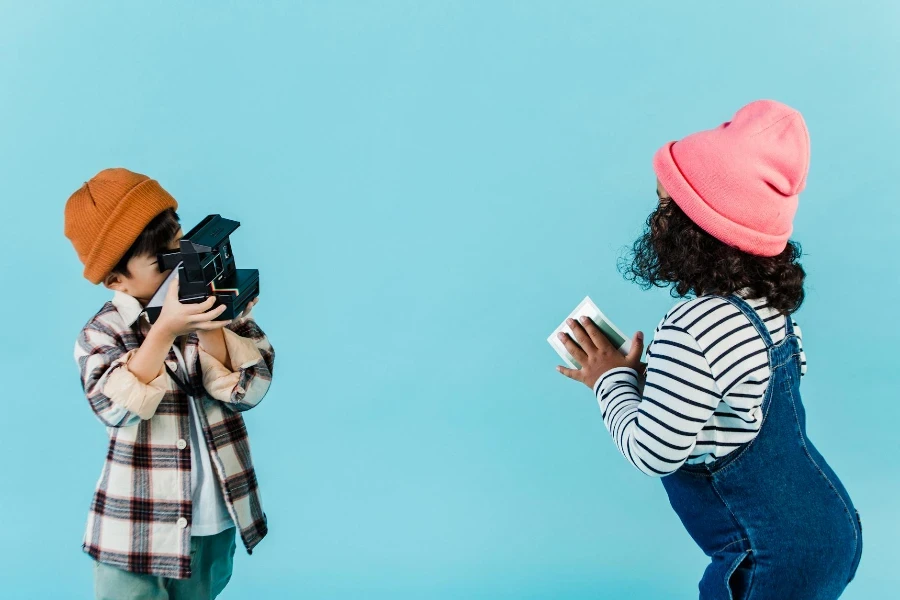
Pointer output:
140, 516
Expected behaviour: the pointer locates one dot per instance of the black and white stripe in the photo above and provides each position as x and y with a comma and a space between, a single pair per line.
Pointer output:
706, 377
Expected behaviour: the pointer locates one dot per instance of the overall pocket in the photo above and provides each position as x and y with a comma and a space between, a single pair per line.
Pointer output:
729, 575
741, 577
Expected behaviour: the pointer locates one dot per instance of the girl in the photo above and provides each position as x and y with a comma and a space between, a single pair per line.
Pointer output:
716, 411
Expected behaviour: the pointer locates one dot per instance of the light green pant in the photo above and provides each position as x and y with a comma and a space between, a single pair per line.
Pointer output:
211, 561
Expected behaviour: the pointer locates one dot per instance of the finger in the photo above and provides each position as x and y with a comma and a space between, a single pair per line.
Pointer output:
597, 337
202, 307
217, 310
172, 292
209, 315
249, 307
574, 374
581, 336
637, 348
574, 349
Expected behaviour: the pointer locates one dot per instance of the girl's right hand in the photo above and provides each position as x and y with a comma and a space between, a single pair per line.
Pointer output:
178, 319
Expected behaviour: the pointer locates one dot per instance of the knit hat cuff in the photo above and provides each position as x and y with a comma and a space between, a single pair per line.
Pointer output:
706, 217
141, 204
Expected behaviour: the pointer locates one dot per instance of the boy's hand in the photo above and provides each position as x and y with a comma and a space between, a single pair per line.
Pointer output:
178, 319
248, 308
596, 354
213, 342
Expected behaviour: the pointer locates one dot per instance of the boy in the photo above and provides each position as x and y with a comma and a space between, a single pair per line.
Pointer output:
178, 478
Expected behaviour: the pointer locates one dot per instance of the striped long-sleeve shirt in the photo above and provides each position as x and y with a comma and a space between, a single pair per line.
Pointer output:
707, 373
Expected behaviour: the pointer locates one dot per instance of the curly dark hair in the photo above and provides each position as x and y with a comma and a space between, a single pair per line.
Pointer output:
674, 252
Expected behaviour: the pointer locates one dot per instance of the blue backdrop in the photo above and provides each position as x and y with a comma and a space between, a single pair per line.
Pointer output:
428, 188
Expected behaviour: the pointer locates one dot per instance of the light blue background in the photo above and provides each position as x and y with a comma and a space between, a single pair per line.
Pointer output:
428, 188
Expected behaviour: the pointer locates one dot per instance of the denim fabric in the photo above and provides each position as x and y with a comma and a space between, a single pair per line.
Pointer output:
772, 516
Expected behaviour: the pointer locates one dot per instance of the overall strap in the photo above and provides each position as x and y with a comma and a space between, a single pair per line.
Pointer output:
761, 328
789, 325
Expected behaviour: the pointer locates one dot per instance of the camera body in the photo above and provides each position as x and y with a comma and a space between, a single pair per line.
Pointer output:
205, 266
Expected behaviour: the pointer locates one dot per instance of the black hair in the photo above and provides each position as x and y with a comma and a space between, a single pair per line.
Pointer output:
675, 252
155, 238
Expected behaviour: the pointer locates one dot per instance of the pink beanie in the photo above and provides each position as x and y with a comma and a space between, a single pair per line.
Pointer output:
740, 181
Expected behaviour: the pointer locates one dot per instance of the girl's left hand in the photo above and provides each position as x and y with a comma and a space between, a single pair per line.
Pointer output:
596, 354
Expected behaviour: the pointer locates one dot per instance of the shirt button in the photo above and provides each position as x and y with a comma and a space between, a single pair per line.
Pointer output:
181, 444
182, 522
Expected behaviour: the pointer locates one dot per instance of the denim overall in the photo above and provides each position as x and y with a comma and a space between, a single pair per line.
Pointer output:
772, 515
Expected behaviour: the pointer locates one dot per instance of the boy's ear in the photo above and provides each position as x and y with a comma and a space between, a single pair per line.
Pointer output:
114, 282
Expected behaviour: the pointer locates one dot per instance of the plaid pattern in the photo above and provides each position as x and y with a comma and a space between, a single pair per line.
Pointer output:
140, 516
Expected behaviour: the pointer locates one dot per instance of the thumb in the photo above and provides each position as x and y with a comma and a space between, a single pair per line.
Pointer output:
172, 292
637, 348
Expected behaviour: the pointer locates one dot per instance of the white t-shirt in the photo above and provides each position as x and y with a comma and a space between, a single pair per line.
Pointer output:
209, 513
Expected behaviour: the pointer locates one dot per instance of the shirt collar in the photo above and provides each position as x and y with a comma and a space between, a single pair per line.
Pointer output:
128, 306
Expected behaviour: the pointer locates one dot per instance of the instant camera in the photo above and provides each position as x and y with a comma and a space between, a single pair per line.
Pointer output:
204, 265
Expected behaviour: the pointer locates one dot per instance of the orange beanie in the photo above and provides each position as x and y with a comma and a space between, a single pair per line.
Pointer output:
108, 213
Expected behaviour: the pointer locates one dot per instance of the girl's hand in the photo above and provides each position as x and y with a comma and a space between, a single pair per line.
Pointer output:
596, 354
